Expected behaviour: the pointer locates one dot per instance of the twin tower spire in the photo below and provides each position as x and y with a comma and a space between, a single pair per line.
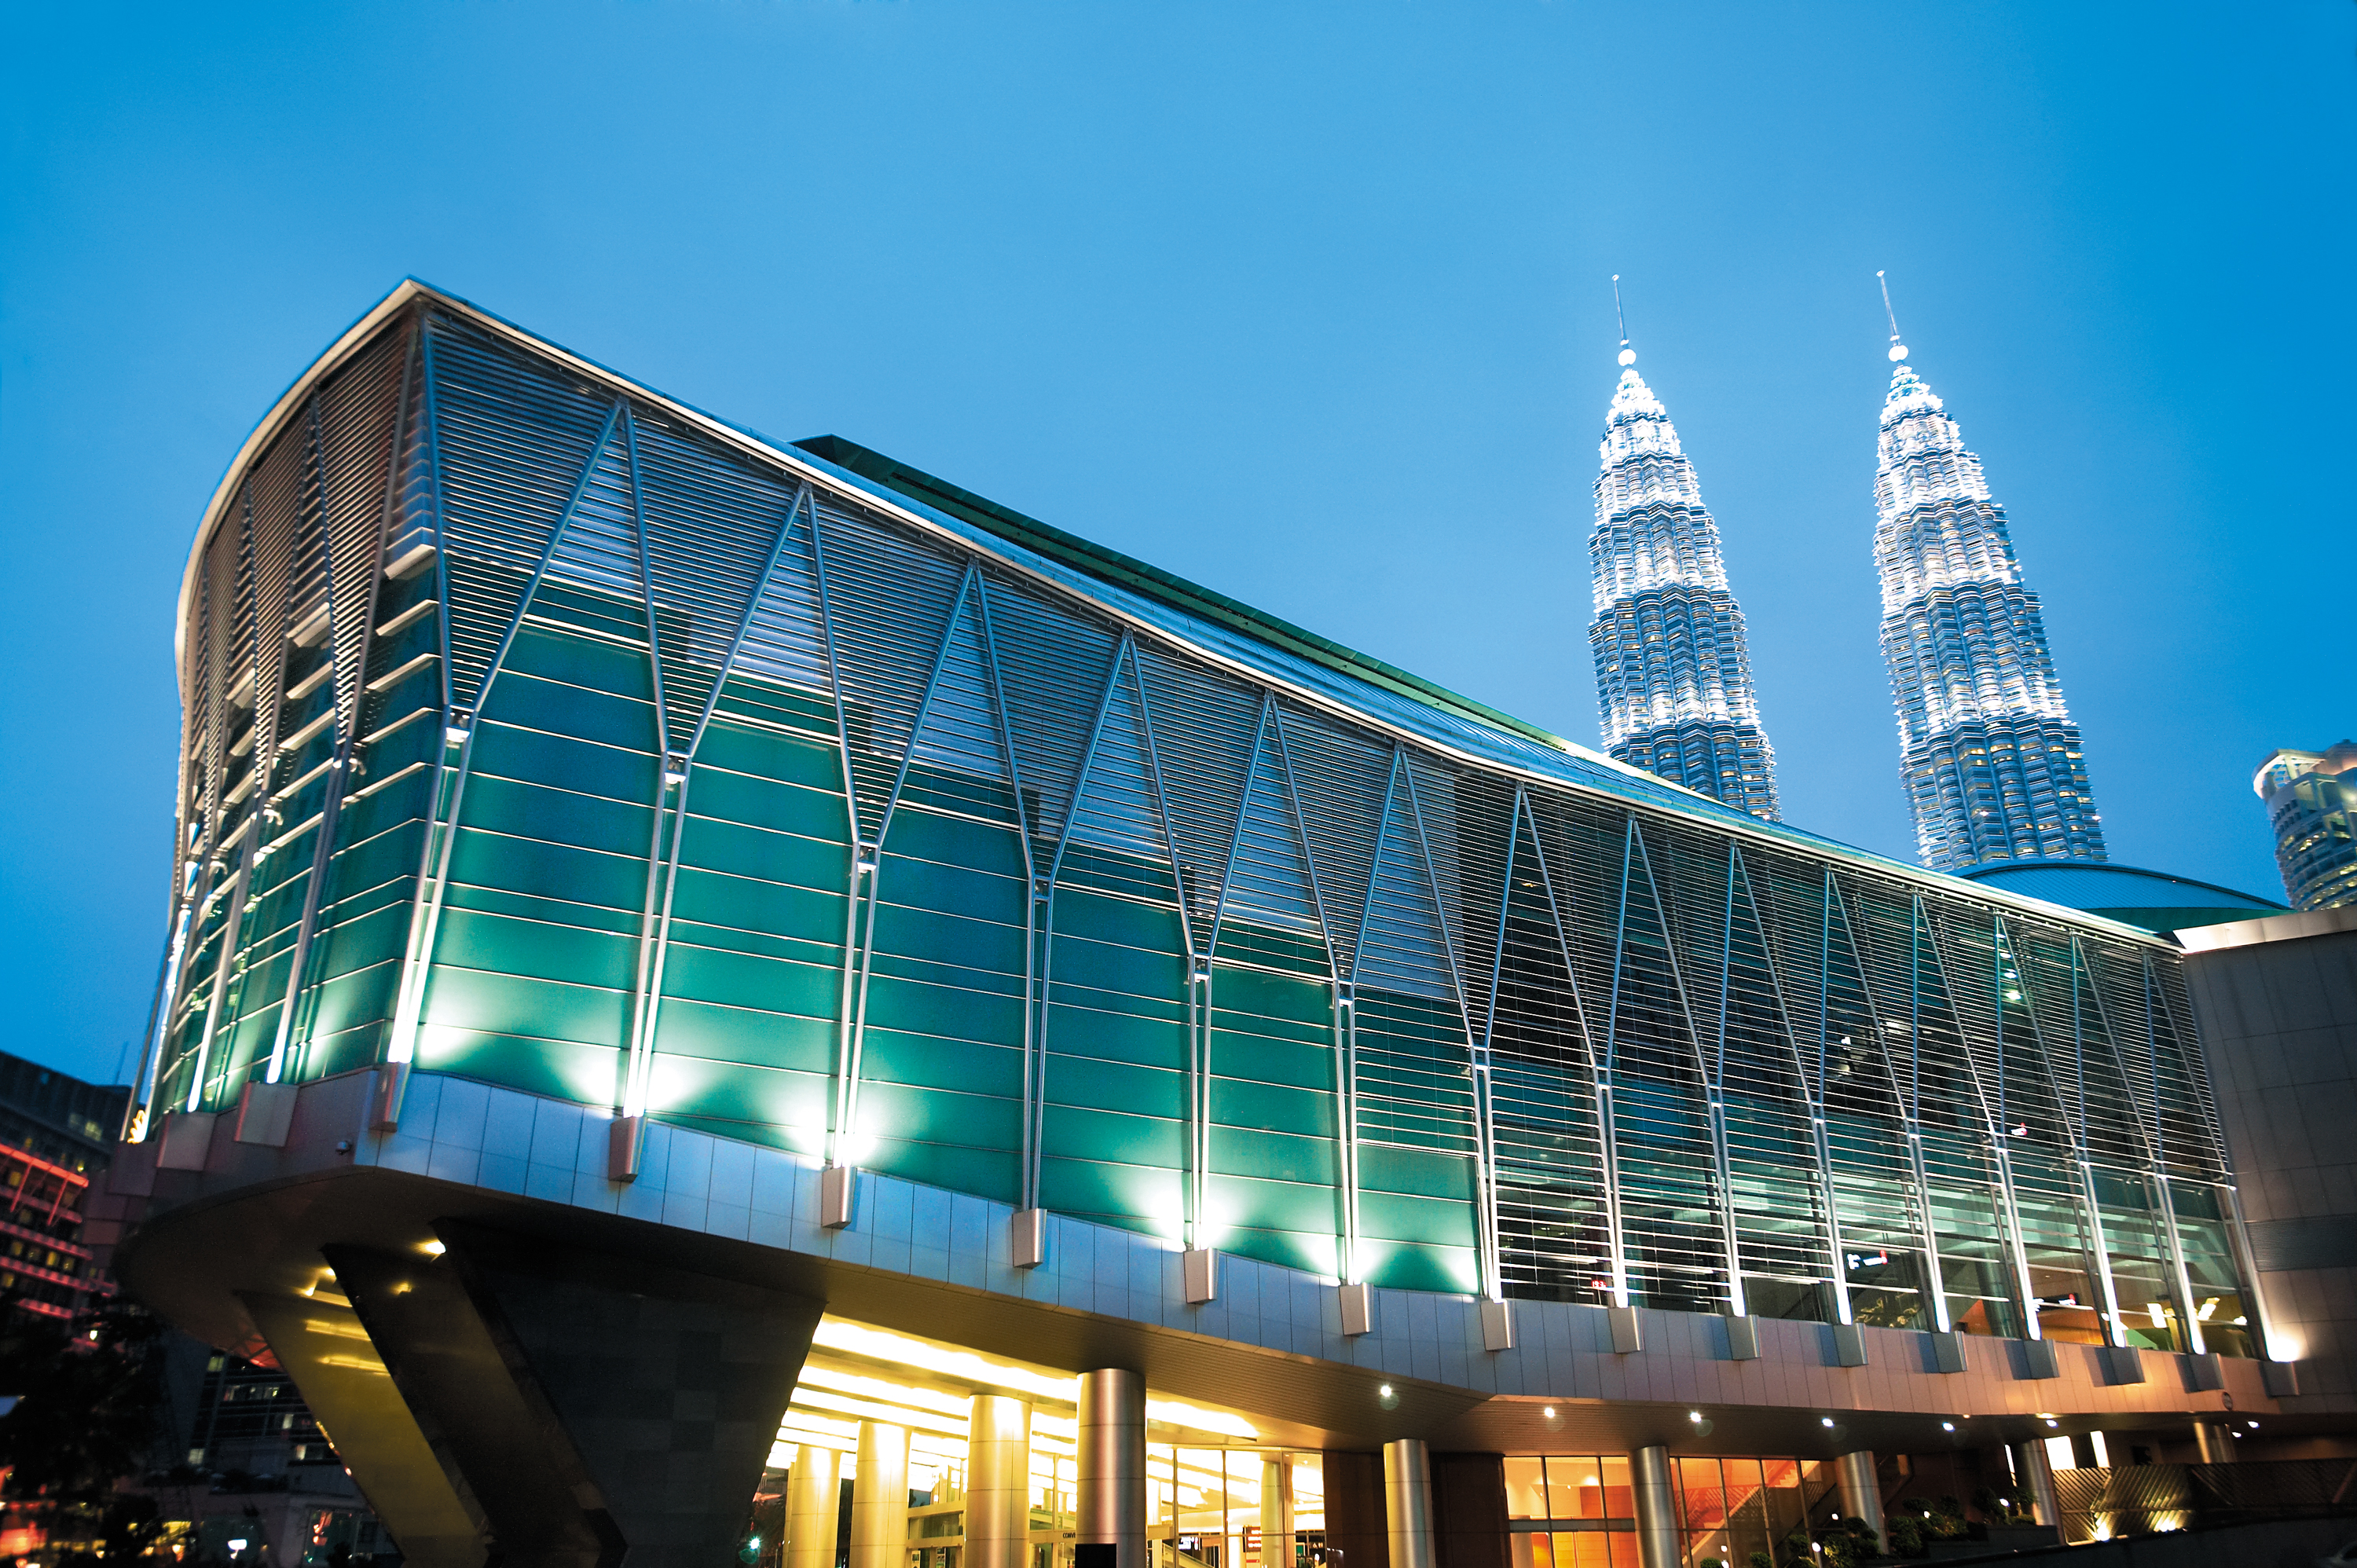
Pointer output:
1991, 762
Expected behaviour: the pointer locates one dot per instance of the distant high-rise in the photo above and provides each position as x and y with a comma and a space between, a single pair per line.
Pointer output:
1991, 762
1673, 674
2311, 800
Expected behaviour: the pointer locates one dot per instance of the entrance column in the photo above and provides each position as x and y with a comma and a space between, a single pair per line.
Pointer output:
2030, 1463
2214, 1442
1861, 1489
1276, 1512
1112, 1464
1407, 1502
813, 1500
879, 1497
998, 1483
1658, 1545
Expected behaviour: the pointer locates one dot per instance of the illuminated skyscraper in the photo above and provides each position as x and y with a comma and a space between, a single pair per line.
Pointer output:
1991, 761
1673, 674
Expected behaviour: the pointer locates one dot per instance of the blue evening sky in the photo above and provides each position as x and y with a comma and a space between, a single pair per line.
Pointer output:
1305, 302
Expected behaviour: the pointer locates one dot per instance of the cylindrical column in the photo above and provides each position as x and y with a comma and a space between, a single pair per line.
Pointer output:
1861, 1489
2214, 1441
2037, 1475
1112, 1464
997, 1484
1407, 1503
879, 1497
1658, 1545
1277, 1511
814, 1498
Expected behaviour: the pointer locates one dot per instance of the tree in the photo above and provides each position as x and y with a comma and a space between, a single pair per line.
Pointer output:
89, 1400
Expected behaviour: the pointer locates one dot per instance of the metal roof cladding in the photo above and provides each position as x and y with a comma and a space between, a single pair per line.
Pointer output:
1226, 630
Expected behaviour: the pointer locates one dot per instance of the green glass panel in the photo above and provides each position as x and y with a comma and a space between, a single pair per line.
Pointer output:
561, 1069
740, 979
777, 908
534, 703
558, 816
533, 1009
578, 662
616, 772
536, 949
890, 1056
1085, 1133
703, 1031
548, 870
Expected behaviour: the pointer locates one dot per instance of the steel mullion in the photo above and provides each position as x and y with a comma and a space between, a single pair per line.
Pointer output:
1715, 1087
862, 870
2115, 1328
1812, 1095
1612, 1048
1035, 1120
1178, 883
1035, 898
1608, 1155
2183, 1277
1339, 1009
1694, 1042
2000, 946
1198, 991
1478, 1058
846, 1088
686, 777
667, 786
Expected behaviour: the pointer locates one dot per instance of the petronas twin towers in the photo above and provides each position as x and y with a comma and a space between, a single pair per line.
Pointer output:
1991, 761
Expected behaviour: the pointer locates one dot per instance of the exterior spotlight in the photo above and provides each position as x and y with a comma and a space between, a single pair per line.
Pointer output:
1947, 1426
432, 1249
1385, 1390
2253, 1425
1548, 1412
1828, 1421
1693, 1415
2052, 1421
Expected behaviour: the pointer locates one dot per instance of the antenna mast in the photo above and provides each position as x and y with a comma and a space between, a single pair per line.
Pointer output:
1897, 349
1628, 355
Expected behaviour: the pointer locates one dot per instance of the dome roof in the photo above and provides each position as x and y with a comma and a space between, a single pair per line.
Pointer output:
2154, 899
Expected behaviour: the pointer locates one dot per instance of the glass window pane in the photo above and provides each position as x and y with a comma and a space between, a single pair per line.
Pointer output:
1620, 1500
1526, 1489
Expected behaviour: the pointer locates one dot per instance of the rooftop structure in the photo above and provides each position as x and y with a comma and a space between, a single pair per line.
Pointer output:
1993, 766
2311, 800
701, 954
1673, 671
2154, 900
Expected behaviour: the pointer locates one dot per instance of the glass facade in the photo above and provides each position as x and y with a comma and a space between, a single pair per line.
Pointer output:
1993, 765
543, 732
1581, 1511
1672, 670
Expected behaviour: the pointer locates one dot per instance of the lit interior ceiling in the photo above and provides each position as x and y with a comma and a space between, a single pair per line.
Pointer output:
857, 1373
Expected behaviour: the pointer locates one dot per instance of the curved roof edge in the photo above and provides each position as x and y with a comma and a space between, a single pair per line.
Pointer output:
1997, 867
933, 515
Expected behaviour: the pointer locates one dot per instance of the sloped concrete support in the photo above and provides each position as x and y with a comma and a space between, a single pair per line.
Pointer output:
325, 1350
593, 1406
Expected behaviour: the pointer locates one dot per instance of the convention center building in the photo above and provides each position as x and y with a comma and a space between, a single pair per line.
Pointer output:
698, 964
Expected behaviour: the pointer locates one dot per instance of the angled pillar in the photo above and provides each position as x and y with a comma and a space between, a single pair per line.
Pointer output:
879, 1497
327, 1353
814, 1506
590, 1403
1112, 1465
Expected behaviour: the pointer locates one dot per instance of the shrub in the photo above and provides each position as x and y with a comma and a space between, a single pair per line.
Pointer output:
1907, 1536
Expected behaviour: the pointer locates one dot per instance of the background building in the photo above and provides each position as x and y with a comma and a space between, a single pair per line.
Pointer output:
2311, 800
1673, 672
1993, 765
702, 955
